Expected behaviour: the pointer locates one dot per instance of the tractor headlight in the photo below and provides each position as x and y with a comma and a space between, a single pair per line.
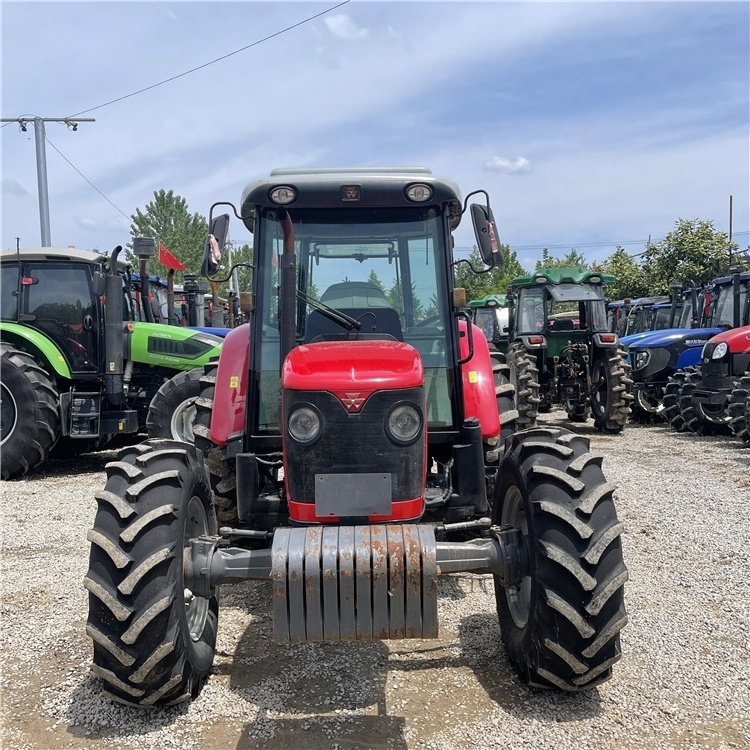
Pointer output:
641, 359
720, 350
404, 423
304, 424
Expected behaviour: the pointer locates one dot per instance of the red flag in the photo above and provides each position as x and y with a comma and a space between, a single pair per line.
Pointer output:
167, 259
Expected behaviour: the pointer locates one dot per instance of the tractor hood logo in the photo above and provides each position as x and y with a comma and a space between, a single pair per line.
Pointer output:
352, 401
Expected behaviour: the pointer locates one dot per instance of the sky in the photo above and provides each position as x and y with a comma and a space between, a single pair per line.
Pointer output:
590, 124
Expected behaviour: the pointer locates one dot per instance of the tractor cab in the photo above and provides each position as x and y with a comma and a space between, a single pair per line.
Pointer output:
350, 268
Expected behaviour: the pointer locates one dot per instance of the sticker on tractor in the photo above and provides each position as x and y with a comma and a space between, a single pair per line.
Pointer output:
234, 381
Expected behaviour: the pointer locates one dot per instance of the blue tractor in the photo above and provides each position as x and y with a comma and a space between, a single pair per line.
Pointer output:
663, 360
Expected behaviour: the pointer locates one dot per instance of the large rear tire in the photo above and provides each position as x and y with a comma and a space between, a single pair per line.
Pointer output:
611, 399
739, 408
172, 411
29, 416
524, 376
222, 473
561, 624
702, 419
153, 640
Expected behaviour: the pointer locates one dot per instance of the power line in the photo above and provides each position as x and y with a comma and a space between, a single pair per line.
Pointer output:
87, 179
210, 62
218, 59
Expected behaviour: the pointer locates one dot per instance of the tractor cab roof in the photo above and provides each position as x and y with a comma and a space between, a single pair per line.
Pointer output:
571, 275
69, 254
347, 188
724, 280
490, 300
53, 253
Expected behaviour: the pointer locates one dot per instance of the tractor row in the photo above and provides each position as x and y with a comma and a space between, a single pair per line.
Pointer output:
83, 359
685, 357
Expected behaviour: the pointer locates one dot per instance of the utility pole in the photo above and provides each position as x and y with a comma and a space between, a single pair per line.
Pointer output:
41, 161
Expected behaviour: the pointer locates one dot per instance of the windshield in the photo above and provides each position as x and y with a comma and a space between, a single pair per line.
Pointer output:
723, 311
686, 314
381, 267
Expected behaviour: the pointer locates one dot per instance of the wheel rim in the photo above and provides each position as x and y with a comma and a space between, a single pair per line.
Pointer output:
518, 597
196, 607
183, 419
712, 414
646, 403
599, 397
8, 414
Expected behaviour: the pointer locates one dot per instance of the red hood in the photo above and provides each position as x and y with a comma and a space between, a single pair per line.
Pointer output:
341, 365
733, 335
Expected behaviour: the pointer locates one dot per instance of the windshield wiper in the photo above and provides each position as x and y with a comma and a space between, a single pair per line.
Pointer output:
338, 317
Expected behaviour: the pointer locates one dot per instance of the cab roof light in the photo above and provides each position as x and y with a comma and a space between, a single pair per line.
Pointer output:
541, 279
283, 195
419, 192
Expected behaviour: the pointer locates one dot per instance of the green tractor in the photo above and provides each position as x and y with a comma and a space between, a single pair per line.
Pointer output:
562, 350
77, 369
490, 313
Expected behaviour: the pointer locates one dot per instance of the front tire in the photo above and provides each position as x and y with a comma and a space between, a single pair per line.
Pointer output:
172, 411
702, 419
739, 408
29, 416
611, 399
153, 640
560, 625
646, 408
671, 402
222, 473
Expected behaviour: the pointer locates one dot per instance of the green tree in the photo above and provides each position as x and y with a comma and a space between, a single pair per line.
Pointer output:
478, 285
166, 218
631, 280
373, 278
570, 260
692, 252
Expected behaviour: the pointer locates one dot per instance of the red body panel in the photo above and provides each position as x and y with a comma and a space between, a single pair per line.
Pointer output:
478, 382
230, 394
738, 339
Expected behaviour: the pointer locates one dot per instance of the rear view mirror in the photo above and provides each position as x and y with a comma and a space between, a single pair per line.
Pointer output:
485, 230
214, 245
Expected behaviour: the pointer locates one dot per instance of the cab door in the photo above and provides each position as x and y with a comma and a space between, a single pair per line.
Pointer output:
58, 299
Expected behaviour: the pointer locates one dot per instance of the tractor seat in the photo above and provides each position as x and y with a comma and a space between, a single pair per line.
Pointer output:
354, 294
563, 324
377, 322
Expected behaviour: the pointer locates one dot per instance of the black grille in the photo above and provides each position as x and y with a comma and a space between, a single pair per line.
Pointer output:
354, 443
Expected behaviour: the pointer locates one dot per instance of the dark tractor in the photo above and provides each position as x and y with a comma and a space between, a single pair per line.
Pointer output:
490, 314
562, 351
77, 371
712, 363
349, 450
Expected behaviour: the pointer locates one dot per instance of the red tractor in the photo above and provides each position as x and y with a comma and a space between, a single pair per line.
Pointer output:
349, 448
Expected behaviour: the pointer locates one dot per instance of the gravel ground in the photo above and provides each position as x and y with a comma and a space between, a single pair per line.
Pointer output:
683, 681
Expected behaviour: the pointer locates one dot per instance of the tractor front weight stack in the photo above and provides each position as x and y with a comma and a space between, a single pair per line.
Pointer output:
341, 583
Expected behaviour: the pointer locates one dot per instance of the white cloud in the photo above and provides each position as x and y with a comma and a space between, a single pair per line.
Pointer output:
519, 165
12, 187
101, 225
343, 26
